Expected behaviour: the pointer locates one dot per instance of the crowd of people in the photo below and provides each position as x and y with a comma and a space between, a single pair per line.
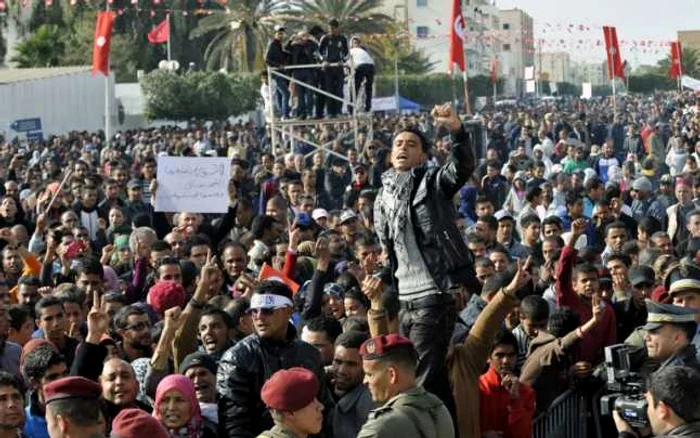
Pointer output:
416, 288
321, 60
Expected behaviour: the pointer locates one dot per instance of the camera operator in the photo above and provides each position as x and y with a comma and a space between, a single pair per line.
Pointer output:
673, 405
669, 332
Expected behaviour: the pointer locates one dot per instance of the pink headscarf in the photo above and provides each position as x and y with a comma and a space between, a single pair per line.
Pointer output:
193, 428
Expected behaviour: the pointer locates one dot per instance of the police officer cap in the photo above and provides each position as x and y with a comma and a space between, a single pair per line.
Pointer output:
380, 346
683, 277
290, 390
659, 314
71, 388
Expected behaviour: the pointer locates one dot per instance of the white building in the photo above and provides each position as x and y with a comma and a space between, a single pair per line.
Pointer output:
517, 49
594, 72
554, 67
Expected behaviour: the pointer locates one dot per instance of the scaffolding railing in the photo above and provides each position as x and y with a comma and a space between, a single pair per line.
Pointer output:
285, 128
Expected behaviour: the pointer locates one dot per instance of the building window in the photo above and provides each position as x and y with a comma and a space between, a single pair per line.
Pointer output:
506, 47
421, 3
422, 31
506, 26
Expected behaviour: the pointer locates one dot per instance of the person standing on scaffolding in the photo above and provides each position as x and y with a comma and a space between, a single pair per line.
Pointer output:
364, 70
303, 48
277, 56
334, 51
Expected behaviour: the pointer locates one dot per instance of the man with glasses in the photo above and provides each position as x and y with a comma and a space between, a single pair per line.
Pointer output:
245, 367
134, 327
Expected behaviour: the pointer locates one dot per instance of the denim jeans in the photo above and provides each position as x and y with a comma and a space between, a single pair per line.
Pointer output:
282, 96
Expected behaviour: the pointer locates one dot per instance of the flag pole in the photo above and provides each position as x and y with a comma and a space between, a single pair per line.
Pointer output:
614, 98
107, 121
167, 17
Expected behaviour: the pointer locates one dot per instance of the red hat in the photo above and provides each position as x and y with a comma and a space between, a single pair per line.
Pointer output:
379, 346
165, 295
684, 182
71, 387
290, 390
135, 423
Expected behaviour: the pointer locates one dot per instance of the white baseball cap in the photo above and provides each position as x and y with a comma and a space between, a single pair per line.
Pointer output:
319, 213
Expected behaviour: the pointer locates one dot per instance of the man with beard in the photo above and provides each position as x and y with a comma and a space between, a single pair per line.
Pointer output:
134, 327
353, 399
11, 402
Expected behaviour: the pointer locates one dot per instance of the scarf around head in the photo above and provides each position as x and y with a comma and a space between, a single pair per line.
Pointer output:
193, 428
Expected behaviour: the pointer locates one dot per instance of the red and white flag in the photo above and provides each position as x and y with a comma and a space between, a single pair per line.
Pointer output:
103, 38
161, 33
612, 49
25, 3
457, 36
676, 69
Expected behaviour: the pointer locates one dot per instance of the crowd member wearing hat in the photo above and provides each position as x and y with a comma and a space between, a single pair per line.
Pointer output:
177, 408
333, 50
12, 415
135, 203
425, 283
290, 396
406, 409
135, 423
360, 182
631, 289
245, 367
200, 368
669, 332
277, 56
683, 285
73, 408
645, 203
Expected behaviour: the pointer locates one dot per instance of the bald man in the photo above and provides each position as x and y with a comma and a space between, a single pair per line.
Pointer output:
119, 388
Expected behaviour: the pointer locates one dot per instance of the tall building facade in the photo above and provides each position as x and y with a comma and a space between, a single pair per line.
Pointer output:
517, 49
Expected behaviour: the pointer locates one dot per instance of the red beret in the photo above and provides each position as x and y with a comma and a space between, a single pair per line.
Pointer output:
683, 182
379, 346
165, 295
71, 387
135, 423
290, 390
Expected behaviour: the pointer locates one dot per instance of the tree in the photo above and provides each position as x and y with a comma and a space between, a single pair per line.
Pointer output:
199, 96
691, 63
355, 16
241, 31
397, 42
44, 48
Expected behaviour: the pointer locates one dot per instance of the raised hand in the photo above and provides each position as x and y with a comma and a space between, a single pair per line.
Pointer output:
323, 254
372, 287
97, 320
521, 278
445, 115
172, 319
578, 227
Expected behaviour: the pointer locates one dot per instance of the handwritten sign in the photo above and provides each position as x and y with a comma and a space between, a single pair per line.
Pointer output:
193, 184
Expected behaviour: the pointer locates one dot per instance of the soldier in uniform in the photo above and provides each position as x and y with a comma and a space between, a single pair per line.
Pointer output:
407, 411
683, 286
669, 331
290, 395
72, 408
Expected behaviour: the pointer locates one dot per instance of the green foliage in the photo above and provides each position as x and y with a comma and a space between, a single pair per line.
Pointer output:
198, 95
649, 83
355, 16
691, 63
43, 49
433, 89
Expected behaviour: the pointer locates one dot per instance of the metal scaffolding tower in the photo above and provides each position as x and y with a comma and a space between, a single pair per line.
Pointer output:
285, 128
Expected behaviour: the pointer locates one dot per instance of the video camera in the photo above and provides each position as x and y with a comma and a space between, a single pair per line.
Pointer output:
625, 389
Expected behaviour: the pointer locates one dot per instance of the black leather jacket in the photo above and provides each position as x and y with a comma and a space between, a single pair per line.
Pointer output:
243, 370
690, 430
433, 215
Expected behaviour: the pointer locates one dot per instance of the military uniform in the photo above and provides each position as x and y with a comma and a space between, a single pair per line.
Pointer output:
278, 432
660, 314
415, 413
685, 278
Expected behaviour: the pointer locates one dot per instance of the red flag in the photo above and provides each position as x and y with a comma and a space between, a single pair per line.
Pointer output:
3, 5
161, 33
103, 37
269, 273
493, 74
457, 36
676, 69
612, 48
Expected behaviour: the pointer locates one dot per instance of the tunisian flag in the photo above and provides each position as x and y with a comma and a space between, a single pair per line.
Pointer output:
457, 36
103, 37
493, 74
612, 48
676, 69
161, 33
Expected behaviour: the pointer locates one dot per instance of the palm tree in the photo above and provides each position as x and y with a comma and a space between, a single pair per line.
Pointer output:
691, 63
44, 48
241, 31
355, 16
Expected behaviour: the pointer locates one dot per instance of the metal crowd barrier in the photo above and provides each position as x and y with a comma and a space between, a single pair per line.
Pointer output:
565, 418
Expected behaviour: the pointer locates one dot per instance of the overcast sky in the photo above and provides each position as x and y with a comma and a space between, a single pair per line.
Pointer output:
656, 20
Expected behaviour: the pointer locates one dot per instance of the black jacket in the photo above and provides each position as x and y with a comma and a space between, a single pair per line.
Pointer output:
333, 48
433, 215
243, 370
276, 55
691, 430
